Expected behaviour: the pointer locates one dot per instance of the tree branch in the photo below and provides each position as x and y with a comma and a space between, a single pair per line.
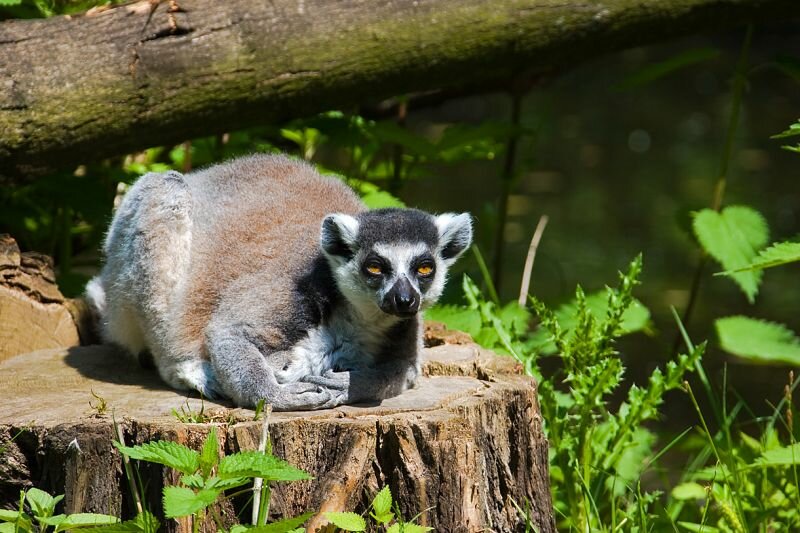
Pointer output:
77, 89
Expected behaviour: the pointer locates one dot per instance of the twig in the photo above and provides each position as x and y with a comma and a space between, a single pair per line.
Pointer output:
260, 512
526, 273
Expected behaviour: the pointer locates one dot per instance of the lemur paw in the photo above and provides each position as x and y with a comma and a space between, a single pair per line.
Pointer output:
331, 380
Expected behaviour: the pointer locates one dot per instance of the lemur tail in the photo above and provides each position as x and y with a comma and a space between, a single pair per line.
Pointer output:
96, 296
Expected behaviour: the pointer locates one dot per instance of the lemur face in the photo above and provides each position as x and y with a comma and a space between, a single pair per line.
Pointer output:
393, 261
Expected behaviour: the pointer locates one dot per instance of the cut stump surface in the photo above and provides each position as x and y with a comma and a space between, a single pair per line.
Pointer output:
459, 449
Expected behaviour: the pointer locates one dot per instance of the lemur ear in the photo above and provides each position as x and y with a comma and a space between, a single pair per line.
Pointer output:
455, 234
338, 235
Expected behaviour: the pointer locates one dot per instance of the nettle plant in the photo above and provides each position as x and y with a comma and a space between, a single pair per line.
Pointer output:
738, 238
597, 453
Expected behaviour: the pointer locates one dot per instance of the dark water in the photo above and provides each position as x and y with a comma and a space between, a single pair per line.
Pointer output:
619, 171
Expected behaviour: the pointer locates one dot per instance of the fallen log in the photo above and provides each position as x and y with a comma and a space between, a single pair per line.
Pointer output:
78, 89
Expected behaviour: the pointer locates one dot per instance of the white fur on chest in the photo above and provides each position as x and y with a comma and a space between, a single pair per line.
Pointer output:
341, 344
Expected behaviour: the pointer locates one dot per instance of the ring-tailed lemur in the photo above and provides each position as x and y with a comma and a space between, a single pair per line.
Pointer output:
259, 278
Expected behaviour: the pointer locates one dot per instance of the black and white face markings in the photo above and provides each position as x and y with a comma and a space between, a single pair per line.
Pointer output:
394, 259
400, 274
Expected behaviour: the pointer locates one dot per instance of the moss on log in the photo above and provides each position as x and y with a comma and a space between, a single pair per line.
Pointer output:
76, 89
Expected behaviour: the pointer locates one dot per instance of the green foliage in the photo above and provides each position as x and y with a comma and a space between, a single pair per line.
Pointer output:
733, 237
206, 478
758, 340
347, 521
792, 131
171, 454
777, 254
38, 507
597, 454
381, 514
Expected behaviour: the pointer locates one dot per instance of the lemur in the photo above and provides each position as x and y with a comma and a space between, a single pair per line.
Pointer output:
260, 278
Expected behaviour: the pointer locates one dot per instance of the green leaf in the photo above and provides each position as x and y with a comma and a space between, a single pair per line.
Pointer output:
166, 453
10, 2
785, 456
7, 515
457, 317
209, 456
282, 526
225, 484
655, 71
183, 501
382, 506
7, 527
407, 527
758, 340
382, 503
257, 464
347, 521
699, 528
195, 481
689, 491
779, 253
83, 520
42, 504
733, 237
144, 522
792, 131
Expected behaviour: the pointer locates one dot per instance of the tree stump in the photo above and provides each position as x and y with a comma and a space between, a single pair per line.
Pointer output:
460, 448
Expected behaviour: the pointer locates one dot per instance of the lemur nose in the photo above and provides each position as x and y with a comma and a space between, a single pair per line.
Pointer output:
405, 302
402, 300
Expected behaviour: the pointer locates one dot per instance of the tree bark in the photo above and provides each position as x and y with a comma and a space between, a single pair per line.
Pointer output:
459, 449
76, 89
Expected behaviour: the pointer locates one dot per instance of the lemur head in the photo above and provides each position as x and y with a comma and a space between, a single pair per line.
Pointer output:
393, 261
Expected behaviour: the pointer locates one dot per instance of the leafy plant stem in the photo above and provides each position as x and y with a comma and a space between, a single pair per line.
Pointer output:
688, 389
487, 278
507, 178
740, 77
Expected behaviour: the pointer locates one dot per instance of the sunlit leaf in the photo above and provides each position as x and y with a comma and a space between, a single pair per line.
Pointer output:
759, 340
347, 521
785, 456
164, 452
183, 501
689, 491
457, 318
780, 253
257, 464
733, 237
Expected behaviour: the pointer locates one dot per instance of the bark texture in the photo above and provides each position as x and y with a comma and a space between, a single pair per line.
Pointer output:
75, 89
458, 448
33, 313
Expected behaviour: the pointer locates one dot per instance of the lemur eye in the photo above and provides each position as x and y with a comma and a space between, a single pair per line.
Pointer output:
425, 269
374, 269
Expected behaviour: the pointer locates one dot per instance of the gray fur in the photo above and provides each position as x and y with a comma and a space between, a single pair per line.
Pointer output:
248, 280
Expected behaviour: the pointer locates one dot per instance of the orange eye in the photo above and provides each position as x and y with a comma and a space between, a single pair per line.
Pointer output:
374, 269
424, 270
